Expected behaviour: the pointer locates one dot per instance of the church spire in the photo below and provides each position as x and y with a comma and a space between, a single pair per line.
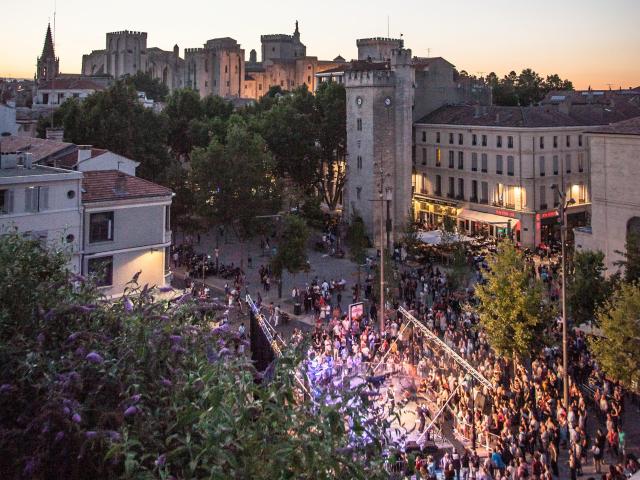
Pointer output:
47, 67
296, 33
47, 50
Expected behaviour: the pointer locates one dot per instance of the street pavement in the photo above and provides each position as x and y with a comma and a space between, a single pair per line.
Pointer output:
323, 267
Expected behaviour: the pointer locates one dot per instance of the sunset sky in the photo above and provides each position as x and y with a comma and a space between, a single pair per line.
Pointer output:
591, 42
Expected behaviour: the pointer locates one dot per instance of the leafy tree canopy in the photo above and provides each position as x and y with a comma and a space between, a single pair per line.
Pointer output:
523, 89
586, 285
152, 87
512, 308
142, 389
234, 182
115, 120
357, 241
292, 247
617, 351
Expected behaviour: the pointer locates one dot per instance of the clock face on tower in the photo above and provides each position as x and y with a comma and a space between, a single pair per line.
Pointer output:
387, 102
359, 101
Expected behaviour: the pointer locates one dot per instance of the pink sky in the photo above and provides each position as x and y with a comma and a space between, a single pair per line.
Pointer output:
591, 42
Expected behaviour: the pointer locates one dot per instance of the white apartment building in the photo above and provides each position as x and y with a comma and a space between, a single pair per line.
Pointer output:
41, 202
615, 166
126, 230
113, 223
55, 92
496, 169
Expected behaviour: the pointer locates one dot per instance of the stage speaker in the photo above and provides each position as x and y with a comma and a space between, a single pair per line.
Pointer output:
261, 351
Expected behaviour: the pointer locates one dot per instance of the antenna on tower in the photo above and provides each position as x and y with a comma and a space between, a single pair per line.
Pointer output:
428, 53
53, 78
610, 85
388, 35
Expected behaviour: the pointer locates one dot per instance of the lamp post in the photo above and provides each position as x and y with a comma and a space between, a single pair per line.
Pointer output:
565, 341
383, 194
381, 314
389, 226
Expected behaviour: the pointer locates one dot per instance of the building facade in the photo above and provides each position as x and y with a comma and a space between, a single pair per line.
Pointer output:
42, 203
216, 69
126, 53
424, 139
387, 90
496, 171
615, 152
126, 230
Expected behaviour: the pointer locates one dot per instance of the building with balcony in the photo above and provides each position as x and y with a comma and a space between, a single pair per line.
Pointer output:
126, 230
615, 210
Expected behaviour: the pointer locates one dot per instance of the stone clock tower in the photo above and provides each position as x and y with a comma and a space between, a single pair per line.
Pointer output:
380, 97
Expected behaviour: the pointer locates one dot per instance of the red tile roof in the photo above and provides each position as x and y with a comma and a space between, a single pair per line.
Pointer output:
531, 117
626, 127
112, 185
71, 160
39, 148
71, 84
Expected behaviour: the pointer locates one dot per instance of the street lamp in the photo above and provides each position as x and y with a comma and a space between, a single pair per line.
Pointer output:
563, 238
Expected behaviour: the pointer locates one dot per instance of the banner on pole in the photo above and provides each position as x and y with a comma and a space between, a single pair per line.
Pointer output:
356, 311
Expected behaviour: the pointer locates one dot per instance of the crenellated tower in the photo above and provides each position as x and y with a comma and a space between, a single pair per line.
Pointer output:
379, 132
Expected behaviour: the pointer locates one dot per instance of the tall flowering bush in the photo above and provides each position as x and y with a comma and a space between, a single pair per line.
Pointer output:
140, 388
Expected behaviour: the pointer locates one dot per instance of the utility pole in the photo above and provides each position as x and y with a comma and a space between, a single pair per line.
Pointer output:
381, 314
565, 341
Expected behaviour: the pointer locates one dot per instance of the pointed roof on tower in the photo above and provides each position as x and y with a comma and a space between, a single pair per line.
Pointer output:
47, 50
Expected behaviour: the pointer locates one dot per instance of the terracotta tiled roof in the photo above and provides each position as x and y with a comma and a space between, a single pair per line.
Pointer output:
626, 127
71, 84
112, 185
70, 160
366, 65
531, 117
40, 148
427, 61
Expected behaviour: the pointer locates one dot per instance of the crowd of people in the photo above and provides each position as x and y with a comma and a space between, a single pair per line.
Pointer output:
521, 422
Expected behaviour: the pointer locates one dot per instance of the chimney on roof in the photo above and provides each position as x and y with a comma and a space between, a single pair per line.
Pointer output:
55, 134
565, 105
27, 160
84, 152
121, 182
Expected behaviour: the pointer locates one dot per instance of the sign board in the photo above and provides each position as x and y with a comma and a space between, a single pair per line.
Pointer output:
356, 310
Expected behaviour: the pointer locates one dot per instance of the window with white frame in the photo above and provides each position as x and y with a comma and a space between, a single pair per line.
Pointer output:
36, 199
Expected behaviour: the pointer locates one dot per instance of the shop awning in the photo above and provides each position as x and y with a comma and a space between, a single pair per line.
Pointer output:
434, 237
484, 217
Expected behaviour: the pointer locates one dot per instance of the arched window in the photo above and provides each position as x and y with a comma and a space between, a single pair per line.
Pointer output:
165, 74
633, 226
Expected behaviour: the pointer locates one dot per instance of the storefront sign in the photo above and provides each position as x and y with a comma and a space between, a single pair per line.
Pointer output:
550, 214
506, 213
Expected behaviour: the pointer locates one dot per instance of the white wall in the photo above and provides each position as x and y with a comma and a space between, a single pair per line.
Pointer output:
109, 161
59, 221
8, 120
